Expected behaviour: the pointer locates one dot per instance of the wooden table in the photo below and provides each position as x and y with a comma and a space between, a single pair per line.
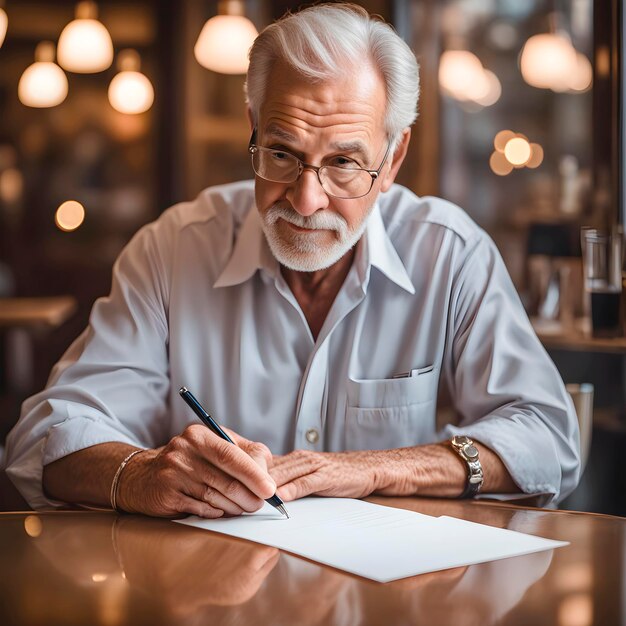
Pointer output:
100, 568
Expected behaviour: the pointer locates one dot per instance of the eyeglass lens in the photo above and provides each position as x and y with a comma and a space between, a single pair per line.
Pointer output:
282, 167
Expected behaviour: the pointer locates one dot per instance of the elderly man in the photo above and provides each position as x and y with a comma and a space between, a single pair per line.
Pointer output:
317, 312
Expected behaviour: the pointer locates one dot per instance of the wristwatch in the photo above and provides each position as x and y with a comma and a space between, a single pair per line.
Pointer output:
466, 449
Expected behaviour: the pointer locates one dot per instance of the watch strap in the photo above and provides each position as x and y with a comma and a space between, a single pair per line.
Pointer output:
468, 452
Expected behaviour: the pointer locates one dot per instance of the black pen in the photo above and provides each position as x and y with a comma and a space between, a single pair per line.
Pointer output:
208, 421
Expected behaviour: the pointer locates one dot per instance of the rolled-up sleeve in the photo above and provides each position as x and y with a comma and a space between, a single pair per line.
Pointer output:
111, 384
504, 385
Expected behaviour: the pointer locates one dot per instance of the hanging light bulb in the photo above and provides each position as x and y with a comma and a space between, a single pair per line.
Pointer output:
4, 22
225, 40
548, 61
43, 84
462, 76
130, 91
85, 45
458, 71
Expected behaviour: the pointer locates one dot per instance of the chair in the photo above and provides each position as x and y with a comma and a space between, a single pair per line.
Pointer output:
582, 396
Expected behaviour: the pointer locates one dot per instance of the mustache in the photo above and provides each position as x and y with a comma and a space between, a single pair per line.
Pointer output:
320, 220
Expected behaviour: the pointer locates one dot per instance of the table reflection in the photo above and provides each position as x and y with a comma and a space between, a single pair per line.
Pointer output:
191, 576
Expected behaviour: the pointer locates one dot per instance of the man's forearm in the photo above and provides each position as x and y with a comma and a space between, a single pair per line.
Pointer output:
195, 473
436, 470
85, 477
426, 470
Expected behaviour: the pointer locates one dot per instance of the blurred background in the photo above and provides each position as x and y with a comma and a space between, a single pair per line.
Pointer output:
112, 111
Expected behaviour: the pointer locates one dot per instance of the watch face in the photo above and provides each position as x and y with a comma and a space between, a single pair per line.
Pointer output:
471, 452
460, 440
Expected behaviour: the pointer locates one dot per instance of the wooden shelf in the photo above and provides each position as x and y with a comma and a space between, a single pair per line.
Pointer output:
32, 312
578, 338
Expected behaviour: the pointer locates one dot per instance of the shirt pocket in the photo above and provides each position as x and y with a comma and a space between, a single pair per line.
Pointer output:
391, 413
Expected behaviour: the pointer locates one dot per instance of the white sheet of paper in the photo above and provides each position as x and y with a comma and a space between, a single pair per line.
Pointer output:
377, 542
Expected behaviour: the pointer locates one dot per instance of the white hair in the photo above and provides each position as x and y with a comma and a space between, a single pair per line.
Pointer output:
329, 40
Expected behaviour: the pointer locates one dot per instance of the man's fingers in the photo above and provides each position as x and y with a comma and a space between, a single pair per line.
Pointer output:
236, 437
191, 506
257, 450
292, 466
218, 501
240, 465
233, 460
260, 454
216, 480
299, 488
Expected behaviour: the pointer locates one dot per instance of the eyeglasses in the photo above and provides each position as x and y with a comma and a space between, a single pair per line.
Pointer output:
344, 179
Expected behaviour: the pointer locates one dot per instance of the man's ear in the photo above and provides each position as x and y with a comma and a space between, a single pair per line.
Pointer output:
395, 160
250, 118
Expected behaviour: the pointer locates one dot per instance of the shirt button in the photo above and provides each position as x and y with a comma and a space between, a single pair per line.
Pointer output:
312, 436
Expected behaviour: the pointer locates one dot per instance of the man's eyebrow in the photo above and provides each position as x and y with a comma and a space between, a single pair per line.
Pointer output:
280, 133
351, 147
348, 147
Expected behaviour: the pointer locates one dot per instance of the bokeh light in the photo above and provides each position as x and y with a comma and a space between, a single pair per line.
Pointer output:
536, 156
224, 42
69, 216
547, 61
11, 185
499, 164
582, 78
514, 151
576, 610
43, 84
501, 138
33, 525
494, 90
4, 22
85, 45
517, 150
459, 70
131, 92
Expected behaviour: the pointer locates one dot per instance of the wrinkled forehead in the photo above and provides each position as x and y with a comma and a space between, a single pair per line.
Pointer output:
356, 95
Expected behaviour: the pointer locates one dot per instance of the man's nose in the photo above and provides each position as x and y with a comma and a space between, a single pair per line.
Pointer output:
306, 194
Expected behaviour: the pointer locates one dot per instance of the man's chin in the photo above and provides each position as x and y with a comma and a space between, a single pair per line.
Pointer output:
308, 251
306, 261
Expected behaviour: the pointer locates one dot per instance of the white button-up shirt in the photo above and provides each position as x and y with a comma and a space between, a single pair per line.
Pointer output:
198, 300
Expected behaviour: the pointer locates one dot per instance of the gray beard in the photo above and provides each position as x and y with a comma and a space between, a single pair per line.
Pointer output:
302, 253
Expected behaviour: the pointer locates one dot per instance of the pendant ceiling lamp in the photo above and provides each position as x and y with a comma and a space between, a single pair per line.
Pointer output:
4, 22
130, 91
225, 40
550, 61
43, 84
85, 45
462, 76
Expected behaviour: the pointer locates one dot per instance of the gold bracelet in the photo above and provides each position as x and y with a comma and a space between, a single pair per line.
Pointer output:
116, 479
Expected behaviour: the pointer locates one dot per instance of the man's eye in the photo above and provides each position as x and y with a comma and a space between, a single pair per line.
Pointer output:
343, 162
278, 155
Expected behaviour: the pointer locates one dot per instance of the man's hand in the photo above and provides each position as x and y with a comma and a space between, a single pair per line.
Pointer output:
200, 474
339, 474
427, 470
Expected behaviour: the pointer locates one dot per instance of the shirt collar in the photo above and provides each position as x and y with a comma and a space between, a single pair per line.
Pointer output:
252, 253
382, 253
